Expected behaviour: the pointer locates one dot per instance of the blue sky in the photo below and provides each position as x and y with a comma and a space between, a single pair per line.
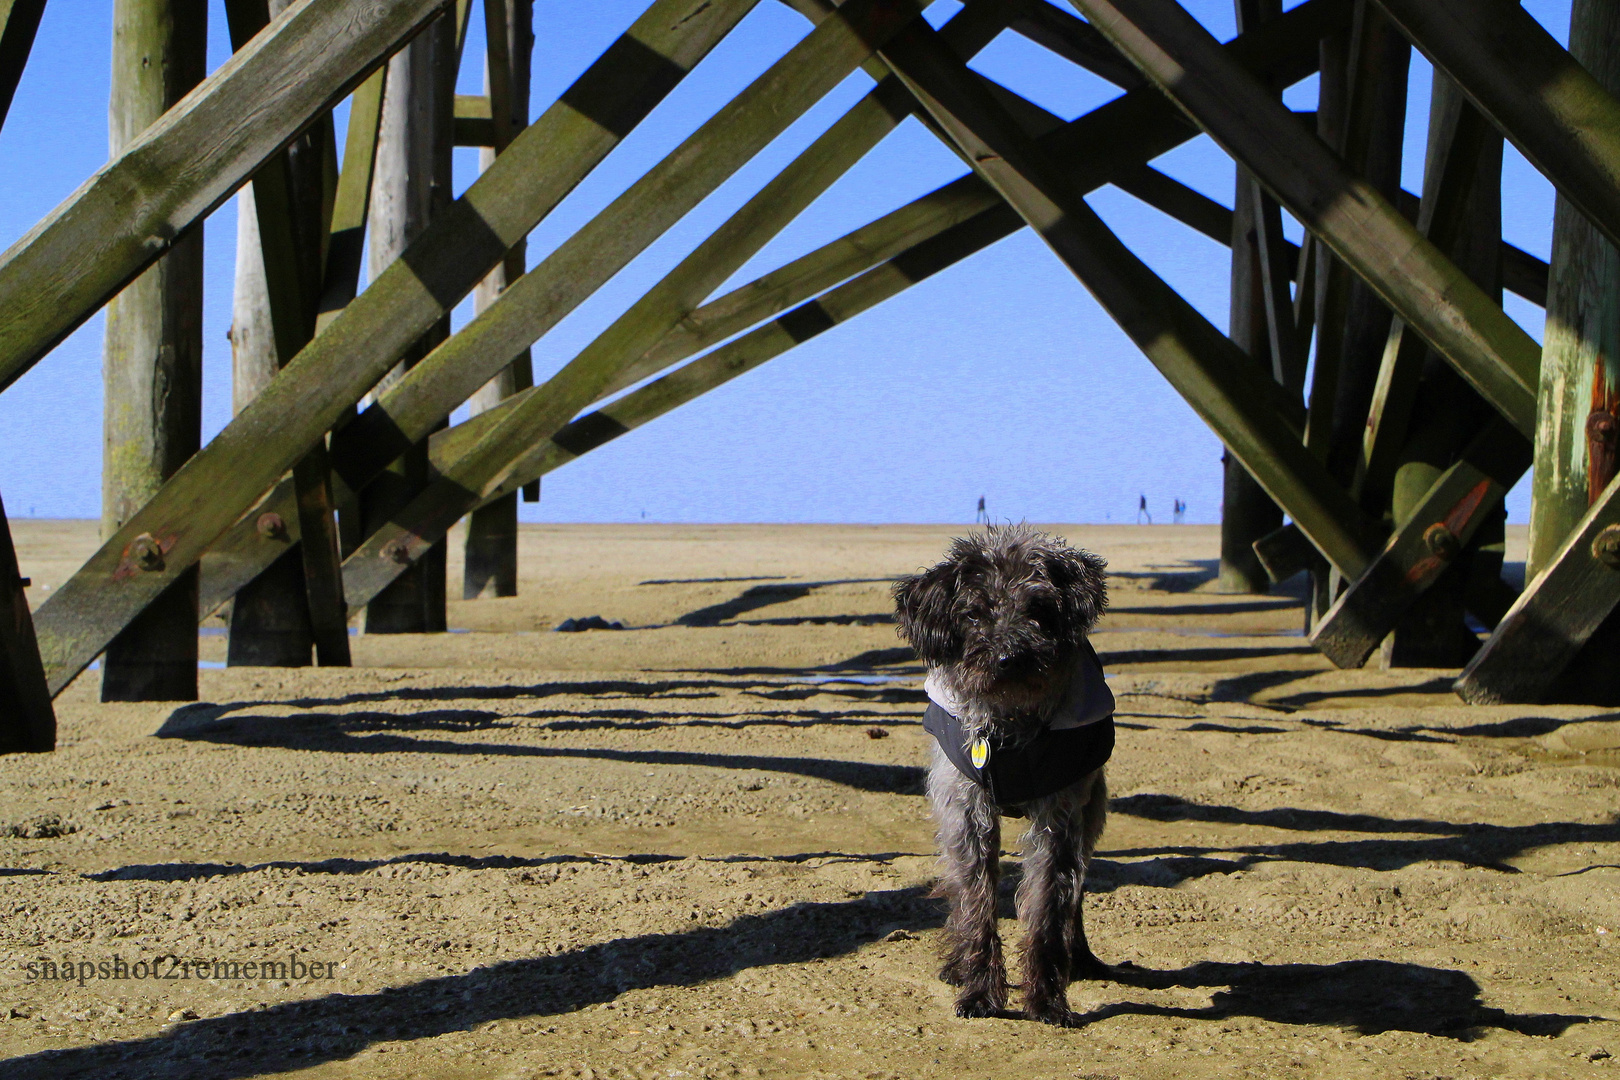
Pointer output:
999, 377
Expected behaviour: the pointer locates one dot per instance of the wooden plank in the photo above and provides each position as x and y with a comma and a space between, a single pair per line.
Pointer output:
152, 361
345, 246
19, 20
1558, 612
1465, 496
814, 66
1548, 105
1118, 135
411, 189
490, 551
1456, 138
1580, 377
1410, 274
342, 364
27, 721
1247, 512
269, 623
537, 301
1074, 40
595, 429
292, 205
119, 221
474, 126
1243, 406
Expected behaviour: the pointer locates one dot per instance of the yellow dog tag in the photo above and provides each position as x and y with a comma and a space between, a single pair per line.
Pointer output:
979, 753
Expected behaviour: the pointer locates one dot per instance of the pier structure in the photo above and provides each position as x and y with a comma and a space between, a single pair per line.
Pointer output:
1369, 389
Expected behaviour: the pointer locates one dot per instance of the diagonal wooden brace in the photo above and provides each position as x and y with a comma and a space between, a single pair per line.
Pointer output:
1373, 239
720, 366
345, 361
1542, 99
1095, 148
1462, 499
125, 216
19, 21
1555, 615
1244, 407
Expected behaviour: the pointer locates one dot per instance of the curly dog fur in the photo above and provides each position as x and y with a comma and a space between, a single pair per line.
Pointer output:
1002, 621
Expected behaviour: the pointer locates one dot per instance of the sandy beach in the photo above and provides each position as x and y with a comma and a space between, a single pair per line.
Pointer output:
696, 847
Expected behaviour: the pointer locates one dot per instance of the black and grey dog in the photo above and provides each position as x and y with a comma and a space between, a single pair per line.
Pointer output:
1022, 723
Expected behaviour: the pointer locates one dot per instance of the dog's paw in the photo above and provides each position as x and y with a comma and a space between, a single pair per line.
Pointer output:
951, 974
1056, 1013
980, 1003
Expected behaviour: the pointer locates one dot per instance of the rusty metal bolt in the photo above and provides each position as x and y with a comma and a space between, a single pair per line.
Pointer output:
146, 553
1602, 426
1442, 541
271, 527
1606, 547
397, 551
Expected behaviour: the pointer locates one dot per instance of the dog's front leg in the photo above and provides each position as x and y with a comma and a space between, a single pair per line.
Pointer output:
970, 848
1056, 849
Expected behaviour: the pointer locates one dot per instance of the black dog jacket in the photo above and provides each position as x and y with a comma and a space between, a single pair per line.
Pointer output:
1021, 772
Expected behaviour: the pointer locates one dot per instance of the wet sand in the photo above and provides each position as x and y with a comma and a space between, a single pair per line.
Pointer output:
696, 847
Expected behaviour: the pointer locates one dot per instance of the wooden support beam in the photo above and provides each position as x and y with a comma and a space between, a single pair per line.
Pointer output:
1247, 512
1559, 116
814, 66
1457, 136
742, 355
278, 617
490, 554
119, 221
1577, 432
351, 205
343, 363
1412, 470
1118, 135
411, 189
1410, 274
533, 304
1076, 41
1560, 610
473, 124
19, 20
27, 721
1245, 408
1439, 528
152, 363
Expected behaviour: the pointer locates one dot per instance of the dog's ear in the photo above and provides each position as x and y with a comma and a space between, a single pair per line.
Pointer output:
1079, 578
925, 605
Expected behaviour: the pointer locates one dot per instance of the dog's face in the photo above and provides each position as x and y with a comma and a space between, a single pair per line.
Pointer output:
1004, 614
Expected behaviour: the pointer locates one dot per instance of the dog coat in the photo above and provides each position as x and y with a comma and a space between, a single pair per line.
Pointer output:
1078, 739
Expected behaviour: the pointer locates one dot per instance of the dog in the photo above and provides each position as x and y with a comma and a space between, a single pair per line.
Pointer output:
1022, 724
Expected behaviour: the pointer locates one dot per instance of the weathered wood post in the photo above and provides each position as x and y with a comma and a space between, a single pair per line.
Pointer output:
491, 555
1447, 412
152, 370
412, 183
270, 625
1247, 512
1579, 400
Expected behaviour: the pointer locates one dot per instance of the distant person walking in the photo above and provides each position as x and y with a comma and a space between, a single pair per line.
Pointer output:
983, 516
1181, 510
1142, 511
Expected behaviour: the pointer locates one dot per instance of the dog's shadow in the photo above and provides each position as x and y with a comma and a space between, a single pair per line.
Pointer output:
1366, 996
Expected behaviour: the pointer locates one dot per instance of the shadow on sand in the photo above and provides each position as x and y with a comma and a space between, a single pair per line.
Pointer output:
1364, 995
